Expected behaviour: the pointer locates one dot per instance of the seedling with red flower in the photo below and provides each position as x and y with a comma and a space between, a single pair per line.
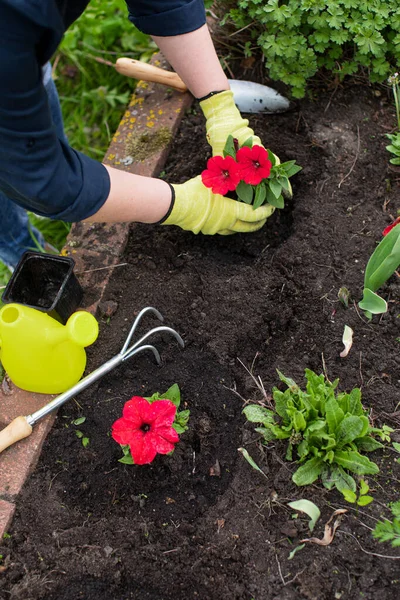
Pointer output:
150, 426
254, 173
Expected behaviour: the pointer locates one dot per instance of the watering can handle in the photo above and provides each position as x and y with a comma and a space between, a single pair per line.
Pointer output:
140, 70
17, 430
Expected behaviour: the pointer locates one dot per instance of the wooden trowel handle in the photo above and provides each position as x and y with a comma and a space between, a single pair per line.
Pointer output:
140, 70
17, 430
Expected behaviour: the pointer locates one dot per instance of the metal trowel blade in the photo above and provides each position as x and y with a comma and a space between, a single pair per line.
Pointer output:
253, 97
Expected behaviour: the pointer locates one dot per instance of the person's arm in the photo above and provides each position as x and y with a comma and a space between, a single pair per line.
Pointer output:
193, 56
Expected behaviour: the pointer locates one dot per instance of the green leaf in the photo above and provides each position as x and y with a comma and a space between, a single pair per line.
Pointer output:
248, 143
261, 193
349, 496
364, 487
277, 202
365, 500
309, 472
173, 394
372, 303
299, 421
245, 192
275, 188
348, 430
384, 261
126, 460
79, 421
293, 170
334, 414
85, 442
251, 461
280, 403
258, 414
267, 434
355, 406
292, 385
355, 462
229, 148
396, 446
271, 157
368, 444
293, 552
309, 508
343, 480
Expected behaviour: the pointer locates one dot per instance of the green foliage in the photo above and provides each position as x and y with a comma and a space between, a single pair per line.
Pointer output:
394, 147
382, 264
326, 431
362, 499
174, 395
299, 38
94, 95
389, 531
271, 189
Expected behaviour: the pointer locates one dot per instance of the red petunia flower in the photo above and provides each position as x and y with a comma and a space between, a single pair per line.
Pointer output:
147, 428
254, 165
390, 227
221, 174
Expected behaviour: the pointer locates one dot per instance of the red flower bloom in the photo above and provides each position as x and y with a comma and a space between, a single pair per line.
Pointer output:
221, 174
390, 227
254, 165
147, 428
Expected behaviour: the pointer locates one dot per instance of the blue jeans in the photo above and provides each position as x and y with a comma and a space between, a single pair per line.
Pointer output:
15, 230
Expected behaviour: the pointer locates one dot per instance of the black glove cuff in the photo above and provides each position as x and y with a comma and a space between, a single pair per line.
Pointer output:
210, 95
169, 211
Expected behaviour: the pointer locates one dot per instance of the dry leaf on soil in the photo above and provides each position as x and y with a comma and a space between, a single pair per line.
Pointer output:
329, 529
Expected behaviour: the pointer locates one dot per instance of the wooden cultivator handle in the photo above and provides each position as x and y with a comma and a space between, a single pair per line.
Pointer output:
145, 72
17, 430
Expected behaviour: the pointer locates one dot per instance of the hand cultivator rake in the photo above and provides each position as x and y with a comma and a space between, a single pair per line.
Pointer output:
21, 427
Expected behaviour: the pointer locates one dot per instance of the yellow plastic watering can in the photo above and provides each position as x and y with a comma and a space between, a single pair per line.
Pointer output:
40, 354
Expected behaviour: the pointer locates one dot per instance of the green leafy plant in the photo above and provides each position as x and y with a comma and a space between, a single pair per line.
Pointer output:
362, 499
299, 38
389, 531
327, 432
384, 261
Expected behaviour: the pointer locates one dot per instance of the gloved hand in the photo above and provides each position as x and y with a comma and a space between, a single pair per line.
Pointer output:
223, 118
197, 209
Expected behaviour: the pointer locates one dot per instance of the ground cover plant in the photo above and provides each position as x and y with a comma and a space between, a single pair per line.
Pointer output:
298, 39
201, 522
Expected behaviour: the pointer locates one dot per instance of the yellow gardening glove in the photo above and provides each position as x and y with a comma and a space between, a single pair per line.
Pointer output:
223, 118
197, 209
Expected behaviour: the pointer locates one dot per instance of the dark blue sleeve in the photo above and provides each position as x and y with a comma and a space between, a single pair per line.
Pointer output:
37, 170
167, 17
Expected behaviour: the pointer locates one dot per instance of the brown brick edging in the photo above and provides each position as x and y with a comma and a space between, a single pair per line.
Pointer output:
147, 130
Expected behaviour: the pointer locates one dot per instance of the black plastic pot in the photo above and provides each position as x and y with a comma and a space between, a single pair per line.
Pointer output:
45, 282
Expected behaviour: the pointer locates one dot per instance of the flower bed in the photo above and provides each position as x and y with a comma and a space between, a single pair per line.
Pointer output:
201, 522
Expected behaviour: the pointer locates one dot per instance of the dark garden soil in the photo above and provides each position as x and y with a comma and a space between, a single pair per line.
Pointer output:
202, 523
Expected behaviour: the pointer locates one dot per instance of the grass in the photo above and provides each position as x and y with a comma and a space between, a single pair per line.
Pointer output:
93, 95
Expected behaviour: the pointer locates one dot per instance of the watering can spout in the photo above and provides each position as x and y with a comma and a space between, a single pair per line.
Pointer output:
39, 353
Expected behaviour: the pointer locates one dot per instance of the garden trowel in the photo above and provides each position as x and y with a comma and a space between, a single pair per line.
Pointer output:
249, 97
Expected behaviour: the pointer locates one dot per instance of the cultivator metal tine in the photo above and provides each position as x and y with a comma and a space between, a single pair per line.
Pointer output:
131, 353
136, 323
150, 333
